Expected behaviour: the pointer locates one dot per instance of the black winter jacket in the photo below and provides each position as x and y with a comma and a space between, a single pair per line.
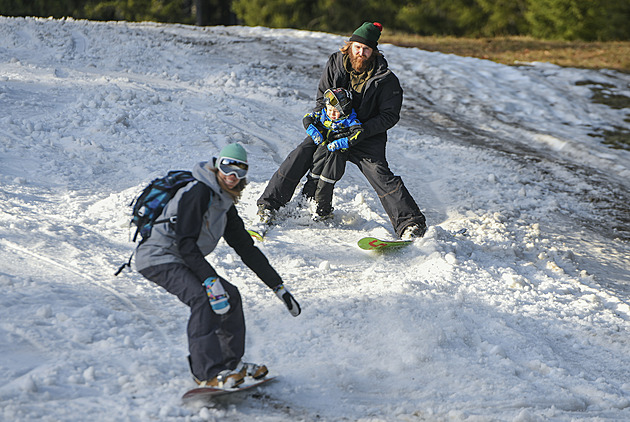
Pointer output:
381, 101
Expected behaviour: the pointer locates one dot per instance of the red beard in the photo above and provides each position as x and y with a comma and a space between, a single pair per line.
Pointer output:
361, 64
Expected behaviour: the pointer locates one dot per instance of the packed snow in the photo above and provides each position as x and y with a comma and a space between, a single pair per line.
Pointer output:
525, 317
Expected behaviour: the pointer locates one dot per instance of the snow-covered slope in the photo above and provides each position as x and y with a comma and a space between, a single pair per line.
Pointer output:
523, 318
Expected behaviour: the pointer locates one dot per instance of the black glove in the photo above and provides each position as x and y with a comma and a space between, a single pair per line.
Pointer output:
288, 300
339, 133
351, 133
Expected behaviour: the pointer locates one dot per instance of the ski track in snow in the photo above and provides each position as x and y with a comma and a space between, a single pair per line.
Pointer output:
525, 317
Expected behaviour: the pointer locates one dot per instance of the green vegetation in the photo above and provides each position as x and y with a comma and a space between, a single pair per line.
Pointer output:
587, 20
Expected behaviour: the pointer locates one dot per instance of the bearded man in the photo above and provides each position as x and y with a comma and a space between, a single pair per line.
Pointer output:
377, 100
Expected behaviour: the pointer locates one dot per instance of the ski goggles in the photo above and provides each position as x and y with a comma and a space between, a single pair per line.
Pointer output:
331, 99
230, 166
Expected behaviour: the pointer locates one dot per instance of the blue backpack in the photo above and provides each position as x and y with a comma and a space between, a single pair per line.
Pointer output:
148, 206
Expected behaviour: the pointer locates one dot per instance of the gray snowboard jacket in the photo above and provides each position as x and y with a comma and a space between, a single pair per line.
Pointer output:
204, 214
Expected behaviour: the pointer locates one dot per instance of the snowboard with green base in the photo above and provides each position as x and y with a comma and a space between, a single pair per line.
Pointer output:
256, 235
261, 230
375, 244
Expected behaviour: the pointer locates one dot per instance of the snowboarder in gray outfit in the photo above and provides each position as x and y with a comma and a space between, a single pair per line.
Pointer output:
174, 258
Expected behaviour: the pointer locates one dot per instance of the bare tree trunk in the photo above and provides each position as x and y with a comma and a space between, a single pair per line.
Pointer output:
202, 16
214, 12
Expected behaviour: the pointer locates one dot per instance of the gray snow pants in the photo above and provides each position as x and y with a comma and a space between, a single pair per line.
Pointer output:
215, 342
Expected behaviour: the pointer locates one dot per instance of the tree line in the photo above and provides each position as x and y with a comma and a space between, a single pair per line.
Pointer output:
589, 20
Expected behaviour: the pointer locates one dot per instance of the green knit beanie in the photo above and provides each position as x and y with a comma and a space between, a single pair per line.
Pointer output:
233, 151
368, 34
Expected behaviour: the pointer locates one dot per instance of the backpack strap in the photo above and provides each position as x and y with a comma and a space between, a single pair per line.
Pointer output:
171, 220
127, 264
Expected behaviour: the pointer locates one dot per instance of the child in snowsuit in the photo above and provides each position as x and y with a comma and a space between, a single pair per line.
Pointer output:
334, 129
173, 257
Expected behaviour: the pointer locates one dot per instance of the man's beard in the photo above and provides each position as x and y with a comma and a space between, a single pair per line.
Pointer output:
361, 64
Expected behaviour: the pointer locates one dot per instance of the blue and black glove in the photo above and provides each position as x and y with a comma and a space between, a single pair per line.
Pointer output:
343, 137
341, 143
315, 134
288, 300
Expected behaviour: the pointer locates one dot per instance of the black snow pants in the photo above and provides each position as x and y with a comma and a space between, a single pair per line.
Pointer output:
398, 203
215, 342
328, 168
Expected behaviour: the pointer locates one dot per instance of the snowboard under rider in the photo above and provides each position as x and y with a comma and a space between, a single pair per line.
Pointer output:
174, 258
334, 128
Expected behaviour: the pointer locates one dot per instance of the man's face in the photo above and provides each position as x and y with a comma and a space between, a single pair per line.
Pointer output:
360, 55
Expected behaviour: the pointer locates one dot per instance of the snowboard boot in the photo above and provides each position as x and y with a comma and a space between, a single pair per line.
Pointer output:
225, 379
413, 231
324, 217
266, 214
252, 370
323, 212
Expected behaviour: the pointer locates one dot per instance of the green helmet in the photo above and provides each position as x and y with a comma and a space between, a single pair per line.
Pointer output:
233, 151
232, 160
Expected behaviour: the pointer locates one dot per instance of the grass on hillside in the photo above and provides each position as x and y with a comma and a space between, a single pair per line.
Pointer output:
512, 50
